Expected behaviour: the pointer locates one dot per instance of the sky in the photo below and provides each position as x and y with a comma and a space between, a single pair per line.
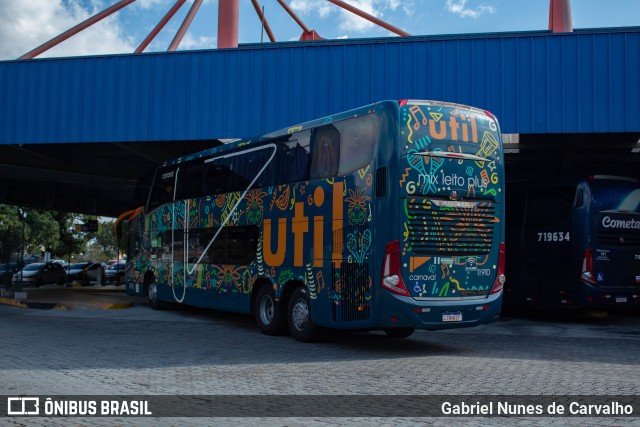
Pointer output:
25, 24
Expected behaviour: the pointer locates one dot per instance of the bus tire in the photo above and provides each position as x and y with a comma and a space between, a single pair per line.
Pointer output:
399, 332
152, 294
269, 313
299, 315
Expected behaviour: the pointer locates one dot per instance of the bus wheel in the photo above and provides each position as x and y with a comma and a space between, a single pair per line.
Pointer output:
154, 302
300, 324
399, 332
269, 314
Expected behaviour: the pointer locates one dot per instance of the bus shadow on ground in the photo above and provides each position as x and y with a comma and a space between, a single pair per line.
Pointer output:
578, 316
376, 343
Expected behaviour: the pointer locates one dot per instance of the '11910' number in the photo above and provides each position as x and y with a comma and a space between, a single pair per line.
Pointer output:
556, 236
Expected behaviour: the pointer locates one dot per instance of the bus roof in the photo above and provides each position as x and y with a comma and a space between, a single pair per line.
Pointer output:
281, 132
381, 105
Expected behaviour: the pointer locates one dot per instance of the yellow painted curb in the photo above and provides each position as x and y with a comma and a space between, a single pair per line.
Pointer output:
70, 305
120, 305
98, 290
13, 302
598, 315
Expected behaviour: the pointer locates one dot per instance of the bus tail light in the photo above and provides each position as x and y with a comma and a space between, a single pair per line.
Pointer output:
587, 275
500, 277
391, 273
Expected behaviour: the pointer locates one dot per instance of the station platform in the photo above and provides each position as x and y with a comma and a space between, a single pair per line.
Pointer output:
107, 297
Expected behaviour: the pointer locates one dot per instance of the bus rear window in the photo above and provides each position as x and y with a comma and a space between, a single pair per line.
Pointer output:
449, 127
610, 194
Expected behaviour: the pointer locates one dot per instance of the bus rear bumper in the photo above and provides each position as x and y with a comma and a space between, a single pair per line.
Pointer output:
434, 315
607, 297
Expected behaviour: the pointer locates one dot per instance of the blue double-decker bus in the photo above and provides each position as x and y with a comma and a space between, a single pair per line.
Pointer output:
386, 217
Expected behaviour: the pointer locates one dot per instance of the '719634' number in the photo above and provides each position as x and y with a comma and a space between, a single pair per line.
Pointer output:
556, 236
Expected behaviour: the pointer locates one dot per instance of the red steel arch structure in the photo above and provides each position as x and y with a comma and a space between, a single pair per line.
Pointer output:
228, 15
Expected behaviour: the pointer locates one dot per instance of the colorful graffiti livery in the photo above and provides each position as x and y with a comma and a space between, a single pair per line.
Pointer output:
305, 227
452, 188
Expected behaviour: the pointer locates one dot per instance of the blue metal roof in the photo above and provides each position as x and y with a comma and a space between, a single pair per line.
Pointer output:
534, 82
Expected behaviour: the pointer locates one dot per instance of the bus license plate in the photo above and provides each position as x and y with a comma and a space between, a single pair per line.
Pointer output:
455, 316
621, 299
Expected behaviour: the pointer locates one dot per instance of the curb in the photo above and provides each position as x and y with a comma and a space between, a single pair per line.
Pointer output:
64, 305
97, 290
32, 304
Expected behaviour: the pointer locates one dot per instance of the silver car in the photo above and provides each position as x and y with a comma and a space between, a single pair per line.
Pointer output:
40, 273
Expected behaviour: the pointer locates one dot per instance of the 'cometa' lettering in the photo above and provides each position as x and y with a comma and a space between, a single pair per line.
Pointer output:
628, 224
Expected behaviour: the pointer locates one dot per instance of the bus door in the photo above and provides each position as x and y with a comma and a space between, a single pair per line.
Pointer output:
165, 232
179, 235
546, 269
351, 263
172, 235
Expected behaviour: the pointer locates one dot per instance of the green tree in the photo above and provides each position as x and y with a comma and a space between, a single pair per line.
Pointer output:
10, 233
105, 239
42, 231
71, 241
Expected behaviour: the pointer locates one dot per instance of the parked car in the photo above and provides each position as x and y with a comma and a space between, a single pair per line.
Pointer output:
7, 270
115, 272
40, 273
30, 259
86, 272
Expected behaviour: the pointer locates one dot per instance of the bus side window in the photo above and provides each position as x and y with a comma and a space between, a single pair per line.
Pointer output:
212, 178
295, 161
189, 181
237, 172
249, 166
358, 139
220, 177
235, 245
325, 152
